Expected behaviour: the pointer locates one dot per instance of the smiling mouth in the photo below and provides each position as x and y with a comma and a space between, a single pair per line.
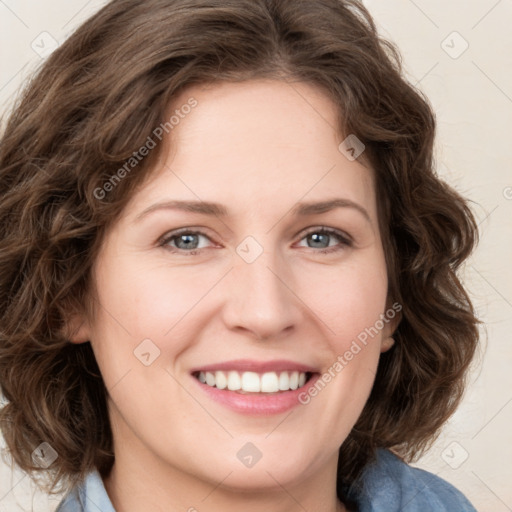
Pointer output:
253, 382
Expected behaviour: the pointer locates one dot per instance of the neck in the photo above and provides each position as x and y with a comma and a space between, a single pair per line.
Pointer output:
136, 483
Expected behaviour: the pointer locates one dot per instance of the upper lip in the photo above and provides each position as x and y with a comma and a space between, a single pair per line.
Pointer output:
247, 365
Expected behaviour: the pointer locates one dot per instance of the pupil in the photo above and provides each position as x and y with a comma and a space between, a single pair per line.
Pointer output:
316, 238
188, 241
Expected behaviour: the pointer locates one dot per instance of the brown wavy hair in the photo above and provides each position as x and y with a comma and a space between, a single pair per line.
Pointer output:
95, 101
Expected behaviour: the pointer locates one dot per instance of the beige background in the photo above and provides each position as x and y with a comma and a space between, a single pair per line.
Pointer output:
471, 91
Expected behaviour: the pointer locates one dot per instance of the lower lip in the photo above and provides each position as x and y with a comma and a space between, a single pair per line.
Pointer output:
258, 404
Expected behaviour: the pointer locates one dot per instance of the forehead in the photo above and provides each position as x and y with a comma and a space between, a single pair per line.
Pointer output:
256, 142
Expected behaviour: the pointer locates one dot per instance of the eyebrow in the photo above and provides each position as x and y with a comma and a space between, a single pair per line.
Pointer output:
215, 209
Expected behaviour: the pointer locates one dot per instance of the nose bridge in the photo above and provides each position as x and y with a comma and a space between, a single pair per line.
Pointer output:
262, 279
260, 299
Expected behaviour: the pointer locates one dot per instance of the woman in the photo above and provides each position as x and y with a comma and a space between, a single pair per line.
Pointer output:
228, 270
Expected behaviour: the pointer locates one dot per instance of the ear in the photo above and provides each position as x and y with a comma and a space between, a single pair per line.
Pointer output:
392, 318
77, 329
387, 343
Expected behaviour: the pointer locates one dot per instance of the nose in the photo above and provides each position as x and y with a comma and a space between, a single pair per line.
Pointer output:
261, 300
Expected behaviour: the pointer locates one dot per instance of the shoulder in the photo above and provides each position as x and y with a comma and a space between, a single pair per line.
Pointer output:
389, 484
88, 496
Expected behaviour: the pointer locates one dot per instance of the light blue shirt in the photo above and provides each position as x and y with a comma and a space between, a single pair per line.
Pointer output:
390, 485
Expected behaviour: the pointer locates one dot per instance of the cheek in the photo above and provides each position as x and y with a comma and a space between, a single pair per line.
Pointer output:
148, 302
349, 303
152, 301
349, 300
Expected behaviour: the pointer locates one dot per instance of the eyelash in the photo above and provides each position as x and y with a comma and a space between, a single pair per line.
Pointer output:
345, 240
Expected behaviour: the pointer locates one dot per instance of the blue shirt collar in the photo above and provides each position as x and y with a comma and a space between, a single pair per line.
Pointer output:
386, 485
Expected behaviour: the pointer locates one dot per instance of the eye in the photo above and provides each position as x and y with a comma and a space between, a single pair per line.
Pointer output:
320, 238
184, 240
187, 241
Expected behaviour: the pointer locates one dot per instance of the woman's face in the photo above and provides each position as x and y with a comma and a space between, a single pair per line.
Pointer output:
251, 255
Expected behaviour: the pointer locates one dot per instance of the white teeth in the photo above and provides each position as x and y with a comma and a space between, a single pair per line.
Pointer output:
221, 380
284, 381
294, 380
270, 382
234, 381
210, 379
252, 382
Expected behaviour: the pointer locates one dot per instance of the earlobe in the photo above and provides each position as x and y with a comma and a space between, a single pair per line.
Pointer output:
391, 326
387, 343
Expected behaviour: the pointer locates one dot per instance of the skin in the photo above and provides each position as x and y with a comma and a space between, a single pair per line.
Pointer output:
257, 148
